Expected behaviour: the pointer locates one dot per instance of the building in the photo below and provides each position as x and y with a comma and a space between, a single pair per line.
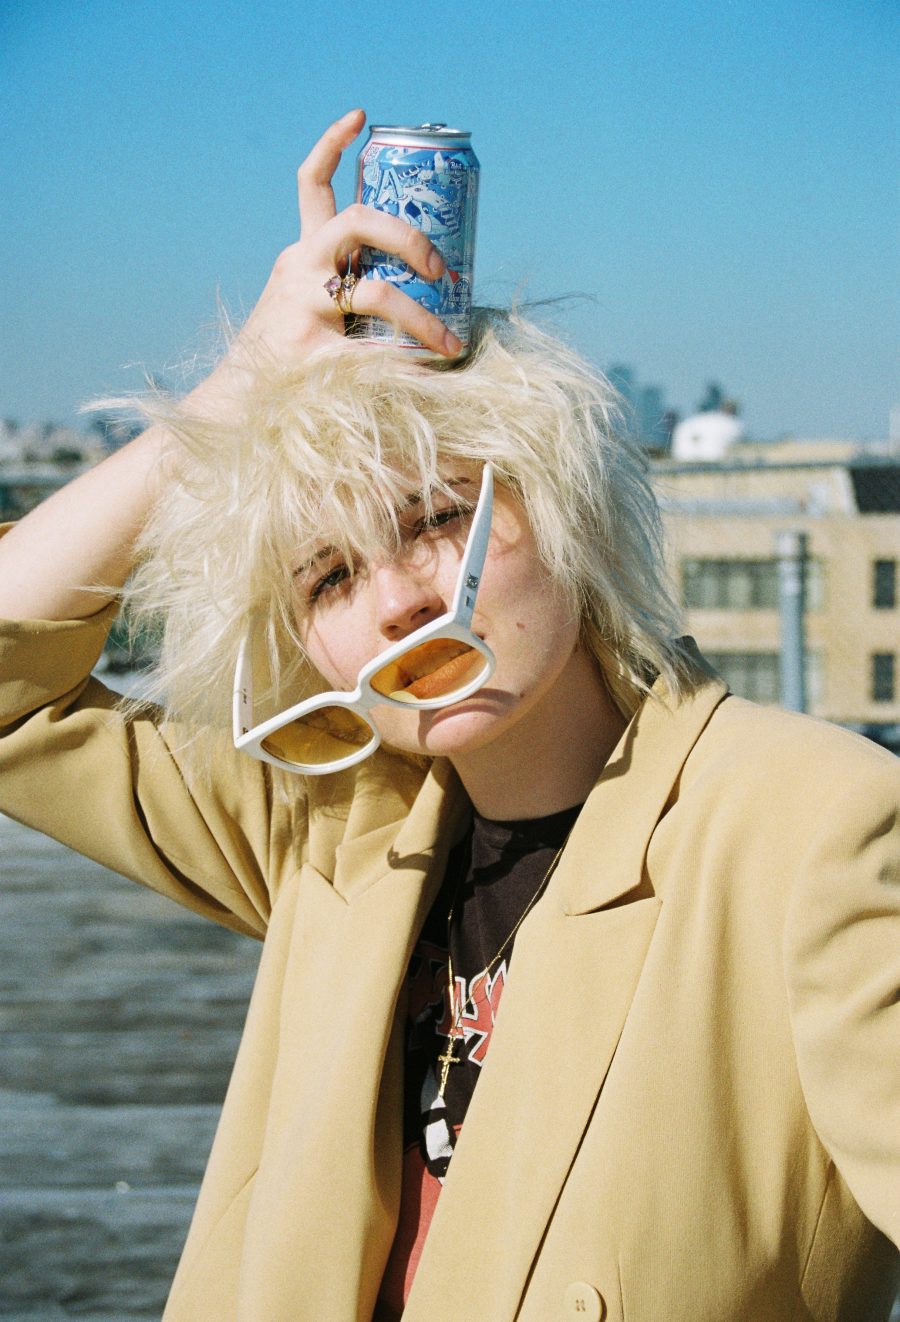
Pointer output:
38, 458
723, 516
646, 417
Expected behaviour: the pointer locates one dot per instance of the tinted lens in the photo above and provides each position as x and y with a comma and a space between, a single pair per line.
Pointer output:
439, 668
324, 735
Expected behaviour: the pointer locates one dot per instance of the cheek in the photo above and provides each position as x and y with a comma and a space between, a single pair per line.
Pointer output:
523, 602
532, 626
333, 646
540, 649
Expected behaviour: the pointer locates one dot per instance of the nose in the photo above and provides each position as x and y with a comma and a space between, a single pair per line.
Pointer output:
404, 599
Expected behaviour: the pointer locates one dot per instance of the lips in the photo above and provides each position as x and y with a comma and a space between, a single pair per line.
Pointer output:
451, 675
432, 671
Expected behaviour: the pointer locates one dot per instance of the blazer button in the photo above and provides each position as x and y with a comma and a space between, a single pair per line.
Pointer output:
583, 1303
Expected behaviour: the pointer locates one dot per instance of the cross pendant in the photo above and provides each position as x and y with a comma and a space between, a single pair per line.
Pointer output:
447, 1060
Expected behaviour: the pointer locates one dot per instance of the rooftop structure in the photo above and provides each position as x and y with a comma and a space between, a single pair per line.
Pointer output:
723, 518
706, 436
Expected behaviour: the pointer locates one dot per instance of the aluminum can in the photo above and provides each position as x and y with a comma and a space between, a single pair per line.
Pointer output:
428, 176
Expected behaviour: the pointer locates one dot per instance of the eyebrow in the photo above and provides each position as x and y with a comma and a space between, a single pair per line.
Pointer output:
418, 497
414, 499
324, 554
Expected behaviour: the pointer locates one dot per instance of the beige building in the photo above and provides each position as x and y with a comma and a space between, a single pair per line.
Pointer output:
722, 519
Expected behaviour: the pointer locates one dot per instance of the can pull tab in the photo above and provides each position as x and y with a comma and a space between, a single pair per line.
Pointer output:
426, 127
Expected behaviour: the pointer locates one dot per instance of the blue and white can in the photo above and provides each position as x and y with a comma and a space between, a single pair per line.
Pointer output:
428, 176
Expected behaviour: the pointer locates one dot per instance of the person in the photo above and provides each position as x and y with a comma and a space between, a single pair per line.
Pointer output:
578, 992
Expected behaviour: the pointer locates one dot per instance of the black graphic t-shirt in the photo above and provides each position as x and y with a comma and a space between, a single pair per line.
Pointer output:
492, 876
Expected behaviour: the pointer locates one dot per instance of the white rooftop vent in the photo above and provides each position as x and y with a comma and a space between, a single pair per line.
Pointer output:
706, 436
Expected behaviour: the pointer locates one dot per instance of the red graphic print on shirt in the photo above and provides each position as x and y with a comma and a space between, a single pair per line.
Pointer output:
480, 1000
425, 1161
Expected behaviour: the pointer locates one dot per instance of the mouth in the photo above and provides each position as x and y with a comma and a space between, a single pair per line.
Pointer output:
434, 670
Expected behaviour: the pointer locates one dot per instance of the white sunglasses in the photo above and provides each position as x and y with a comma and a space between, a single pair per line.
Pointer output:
437, 665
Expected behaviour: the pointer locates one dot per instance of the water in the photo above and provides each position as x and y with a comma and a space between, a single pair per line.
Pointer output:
119, 1019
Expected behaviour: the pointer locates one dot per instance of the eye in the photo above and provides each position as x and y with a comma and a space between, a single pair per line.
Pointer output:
328, 582
441, 519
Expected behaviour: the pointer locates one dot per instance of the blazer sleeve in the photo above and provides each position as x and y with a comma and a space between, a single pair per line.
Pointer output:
73, 767
842, 959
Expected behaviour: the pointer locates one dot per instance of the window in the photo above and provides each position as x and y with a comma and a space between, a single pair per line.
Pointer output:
753, 675
743, 584
730, 584
883, 668
884, 584
757, 675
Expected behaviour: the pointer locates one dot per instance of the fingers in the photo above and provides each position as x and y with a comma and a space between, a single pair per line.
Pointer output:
359, 225
315, 194
329, 237
378, 298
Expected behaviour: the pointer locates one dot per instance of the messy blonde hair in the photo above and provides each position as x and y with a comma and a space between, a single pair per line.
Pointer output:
328, 449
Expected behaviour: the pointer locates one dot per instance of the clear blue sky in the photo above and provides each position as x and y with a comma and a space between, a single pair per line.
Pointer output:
717, 177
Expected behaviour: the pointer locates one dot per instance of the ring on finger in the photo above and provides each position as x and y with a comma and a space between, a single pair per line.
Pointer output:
344, 299
341, 288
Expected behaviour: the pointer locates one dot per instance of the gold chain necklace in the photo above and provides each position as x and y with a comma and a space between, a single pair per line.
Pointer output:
457, 1004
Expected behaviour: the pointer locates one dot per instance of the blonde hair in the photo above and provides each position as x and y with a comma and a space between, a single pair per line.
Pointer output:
329, 449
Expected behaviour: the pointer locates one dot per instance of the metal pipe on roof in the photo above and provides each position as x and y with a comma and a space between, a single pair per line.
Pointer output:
791, 549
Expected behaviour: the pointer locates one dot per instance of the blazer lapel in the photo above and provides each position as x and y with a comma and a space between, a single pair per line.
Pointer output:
604, 860
566, 998
376, 852
334, 1127
576, 964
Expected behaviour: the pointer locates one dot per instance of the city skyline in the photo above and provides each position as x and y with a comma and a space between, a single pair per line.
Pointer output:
647, 400
714, 185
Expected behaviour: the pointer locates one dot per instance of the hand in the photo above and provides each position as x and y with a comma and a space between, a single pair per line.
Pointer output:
295, 313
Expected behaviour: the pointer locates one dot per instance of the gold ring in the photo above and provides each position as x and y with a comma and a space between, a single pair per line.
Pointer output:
340, 288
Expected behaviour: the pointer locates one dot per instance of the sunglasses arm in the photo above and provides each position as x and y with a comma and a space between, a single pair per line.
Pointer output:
476, 551
242, 701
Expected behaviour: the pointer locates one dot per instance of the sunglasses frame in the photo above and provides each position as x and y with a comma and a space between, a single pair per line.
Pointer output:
454, 623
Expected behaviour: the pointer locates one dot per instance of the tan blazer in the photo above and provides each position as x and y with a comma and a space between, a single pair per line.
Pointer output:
691, 1107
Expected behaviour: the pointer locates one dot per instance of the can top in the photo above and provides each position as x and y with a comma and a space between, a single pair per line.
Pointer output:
416, 133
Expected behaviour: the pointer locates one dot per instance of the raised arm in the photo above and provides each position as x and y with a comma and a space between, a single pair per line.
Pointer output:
82, 538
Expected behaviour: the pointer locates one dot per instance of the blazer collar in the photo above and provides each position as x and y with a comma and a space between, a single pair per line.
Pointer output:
400, 822
374, 849
604, 858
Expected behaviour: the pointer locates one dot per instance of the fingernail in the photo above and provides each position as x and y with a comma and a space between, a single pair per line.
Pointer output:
435, 263
451, 343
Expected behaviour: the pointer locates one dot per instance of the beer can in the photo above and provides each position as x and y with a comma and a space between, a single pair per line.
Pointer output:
428, 176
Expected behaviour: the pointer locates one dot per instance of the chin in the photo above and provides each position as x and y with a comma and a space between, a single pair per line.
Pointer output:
443, 732
464, 729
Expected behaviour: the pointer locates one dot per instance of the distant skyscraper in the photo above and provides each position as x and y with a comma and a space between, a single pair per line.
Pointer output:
651, 413
622, 377
646, 416
713, 399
